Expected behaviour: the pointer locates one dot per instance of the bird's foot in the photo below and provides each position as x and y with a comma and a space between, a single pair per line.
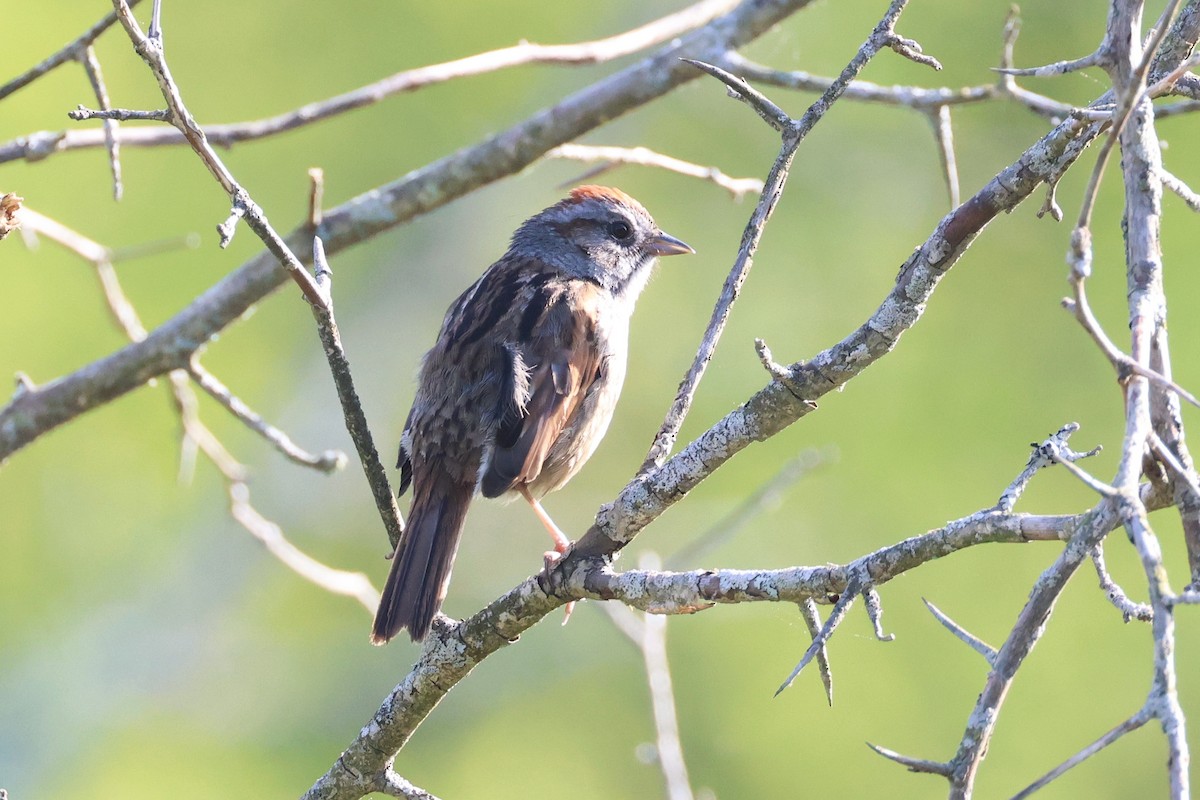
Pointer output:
550, 560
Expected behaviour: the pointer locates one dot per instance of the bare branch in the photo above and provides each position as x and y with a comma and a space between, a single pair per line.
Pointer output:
329, 461
1124, 365
39, 145
738, 89
69, 53
351, 584
916, 97
1043, 456
91, 65
653, 646
171, 346
1182, 189
352, 410
793, 133
1116, 595
943, 133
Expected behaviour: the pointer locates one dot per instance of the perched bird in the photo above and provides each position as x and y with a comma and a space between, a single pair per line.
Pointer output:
519, 387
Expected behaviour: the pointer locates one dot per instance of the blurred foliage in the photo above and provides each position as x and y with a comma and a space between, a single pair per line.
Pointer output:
147, 642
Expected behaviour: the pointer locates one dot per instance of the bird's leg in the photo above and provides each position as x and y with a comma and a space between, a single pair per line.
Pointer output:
561, 542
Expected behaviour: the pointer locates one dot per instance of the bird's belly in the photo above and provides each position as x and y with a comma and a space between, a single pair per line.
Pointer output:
577, 443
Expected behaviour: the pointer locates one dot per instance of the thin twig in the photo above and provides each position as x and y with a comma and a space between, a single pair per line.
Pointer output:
198, 436
1116, 595
151, 50
91, 65
793, 133
921, 765
645, 157
1041, 457
70, 52
943, 134
966, 637
623, 44
1082, 310
328, 461
874, 605
1132, 724
1182, 189
352, 410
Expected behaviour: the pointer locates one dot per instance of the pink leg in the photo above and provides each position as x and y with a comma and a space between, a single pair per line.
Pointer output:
561, 542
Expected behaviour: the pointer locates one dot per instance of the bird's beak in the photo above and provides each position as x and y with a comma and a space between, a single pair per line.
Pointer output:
662, 244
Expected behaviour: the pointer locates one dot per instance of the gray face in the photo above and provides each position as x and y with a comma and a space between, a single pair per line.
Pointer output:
597, 240
598, 235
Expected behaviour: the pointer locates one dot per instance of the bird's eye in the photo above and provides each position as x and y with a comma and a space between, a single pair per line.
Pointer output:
619, 229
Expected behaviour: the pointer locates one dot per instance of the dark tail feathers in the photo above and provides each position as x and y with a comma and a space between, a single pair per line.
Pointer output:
421, 567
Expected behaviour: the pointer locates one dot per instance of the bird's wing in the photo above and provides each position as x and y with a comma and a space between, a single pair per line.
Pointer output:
562, 359
404, 460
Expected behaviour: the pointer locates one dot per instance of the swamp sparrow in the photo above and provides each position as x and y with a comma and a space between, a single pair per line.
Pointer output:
519, 387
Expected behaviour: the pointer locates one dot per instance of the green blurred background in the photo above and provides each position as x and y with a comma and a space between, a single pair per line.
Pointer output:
149, 647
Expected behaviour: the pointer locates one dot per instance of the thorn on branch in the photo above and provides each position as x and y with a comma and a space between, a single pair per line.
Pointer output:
822, 638
915, 764
773, 367
23, 385
812, 619
1052, 70
974, 642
